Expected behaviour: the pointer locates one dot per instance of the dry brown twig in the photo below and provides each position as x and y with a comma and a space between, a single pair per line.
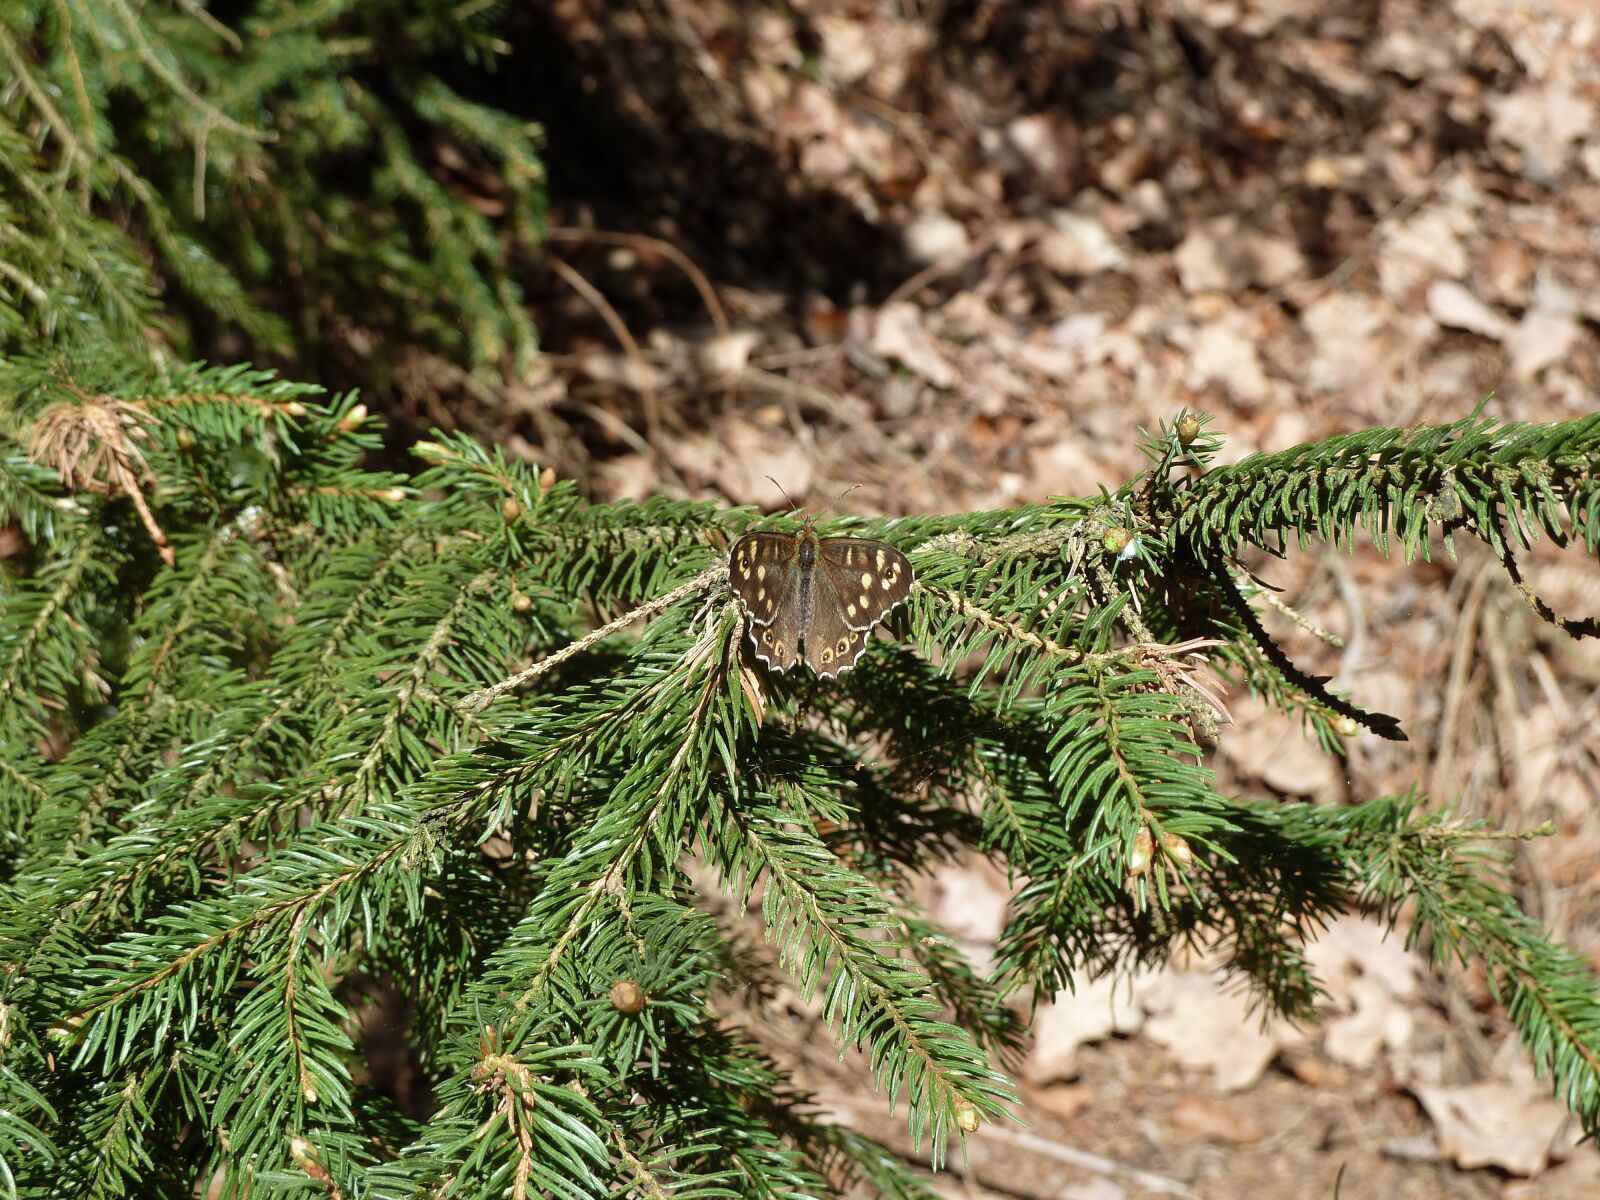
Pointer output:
910, 287
710, 577
640, 241
91, 445
619, 330
1027, 1144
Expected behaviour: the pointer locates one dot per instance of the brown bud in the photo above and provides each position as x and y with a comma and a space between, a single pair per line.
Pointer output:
1188, 429
1144, 847
353, 419
185, 439
1178, 849
967, 1117
1347, 727
1116, 539
510, 508
628, 997
520, 601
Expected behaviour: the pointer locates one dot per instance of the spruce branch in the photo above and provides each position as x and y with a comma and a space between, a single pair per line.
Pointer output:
1381, 724
1007, 628
153, 58
293, 786
710, 578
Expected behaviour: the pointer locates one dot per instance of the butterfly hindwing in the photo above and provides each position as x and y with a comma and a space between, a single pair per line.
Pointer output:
831, 645
778, 644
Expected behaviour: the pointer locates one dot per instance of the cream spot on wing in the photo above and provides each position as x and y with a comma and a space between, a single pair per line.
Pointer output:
851, 610
880, 560
886, 582
827, 657
866, 579
761, 594
866, 602
761, 572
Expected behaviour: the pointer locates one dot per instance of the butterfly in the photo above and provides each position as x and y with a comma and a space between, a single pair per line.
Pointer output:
823, 593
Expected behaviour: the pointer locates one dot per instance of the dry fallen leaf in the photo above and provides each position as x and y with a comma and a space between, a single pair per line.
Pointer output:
1424, 248
1095, 1010
1224, 352
1064, 1100
1542, 338
1379, 1020
1496, 1123
971, 900
935, 237
1265, 745
898, 334
1451, 304
1544, 124
1354, 944
1216, 1120
724, 356
1207, 1028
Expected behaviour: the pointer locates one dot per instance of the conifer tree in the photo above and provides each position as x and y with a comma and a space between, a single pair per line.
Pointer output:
244, 790
281, 732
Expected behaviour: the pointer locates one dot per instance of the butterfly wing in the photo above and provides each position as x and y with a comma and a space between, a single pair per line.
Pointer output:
859, 582
758, 567
762, 570
831, 645
869, 579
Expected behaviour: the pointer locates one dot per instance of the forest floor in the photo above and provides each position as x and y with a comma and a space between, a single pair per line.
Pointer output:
956, 257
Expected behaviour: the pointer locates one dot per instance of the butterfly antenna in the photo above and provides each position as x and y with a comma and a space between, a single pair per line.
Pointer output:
841, 496
779, 486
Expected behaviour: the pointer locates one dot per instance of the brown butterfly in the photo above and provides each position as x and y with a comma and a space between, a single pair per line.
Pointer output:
823, 593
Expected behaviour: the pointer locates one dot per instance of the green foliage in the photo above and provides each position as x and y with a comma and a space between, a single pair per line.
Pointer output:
266, 758
247, 794
165, 174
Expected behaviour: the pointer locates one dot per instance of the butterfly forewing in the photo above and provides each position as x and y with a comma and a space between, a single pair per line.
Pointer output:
760, 565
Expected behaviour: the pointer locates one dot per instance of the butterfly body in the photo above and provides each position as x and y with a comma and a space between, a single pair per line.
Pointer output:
815, 599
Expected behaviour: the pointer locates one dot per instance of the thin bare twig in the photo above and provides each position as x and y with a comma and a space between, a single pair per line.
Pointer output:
1462, 657
960, 605
944, 266
619, 330
1299, 618
667, 250
1028, 1143
480, 700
